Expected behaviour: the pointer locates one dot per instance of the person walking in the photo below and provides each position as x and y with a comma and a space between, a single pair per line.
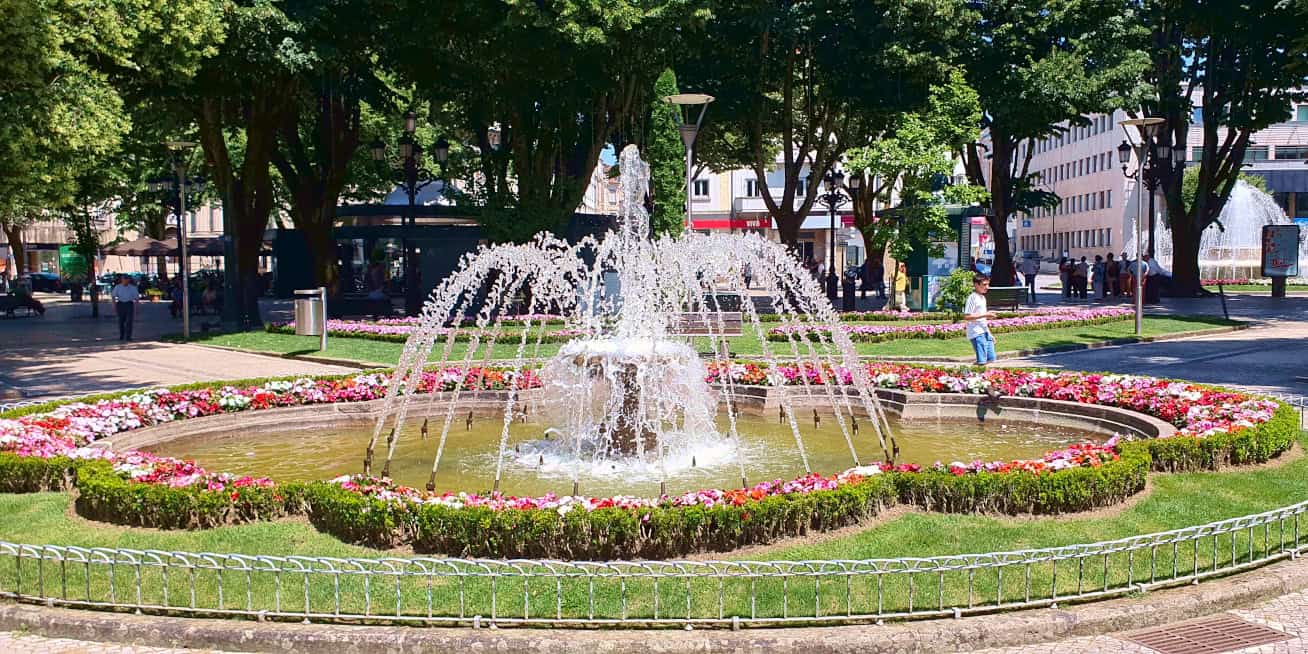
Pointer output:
1065, 275
901, 288
1080, 275
748, 274
1099, 272
1127, 281
125, 297
977, 315
1031, 268
1114, 277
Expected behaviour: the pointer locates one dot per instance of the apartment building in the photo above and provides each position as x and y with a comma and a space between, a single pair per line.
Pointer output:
1097, 208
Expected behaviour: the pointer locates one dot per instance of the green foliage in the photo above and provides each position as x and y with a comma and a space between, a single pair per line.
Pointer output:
955, 289
33, 474
1256, 445
666, 157
1190, 188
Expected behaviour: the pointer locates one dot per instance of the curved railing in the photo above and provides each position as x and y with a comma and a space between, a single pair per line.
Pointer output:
482, 592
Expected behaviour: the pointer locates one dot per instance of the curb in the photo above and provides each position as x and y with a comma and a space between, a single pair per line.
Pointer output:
1075, 347
963, 634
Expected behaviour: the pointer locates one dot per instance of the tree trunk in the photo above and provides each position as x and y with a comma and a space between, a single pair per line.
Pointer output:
1001, 206
1185, 262
92, 287
15, 236
319, 235
788, 229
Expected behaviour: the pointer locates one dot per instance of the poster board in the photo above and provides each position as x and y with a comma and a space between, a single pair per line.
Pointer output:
1280, 251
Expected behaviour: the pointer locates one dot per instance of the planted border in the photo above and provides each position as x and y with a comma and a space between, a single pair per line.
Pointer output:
1217, 428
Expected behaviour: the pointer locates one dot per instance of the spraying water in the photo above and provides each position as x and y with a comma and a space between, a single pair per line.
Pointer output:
628, 394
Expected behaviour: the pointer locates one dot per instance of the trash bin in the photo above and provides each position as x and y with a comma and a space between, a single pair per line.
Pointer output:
848, 293
310, 314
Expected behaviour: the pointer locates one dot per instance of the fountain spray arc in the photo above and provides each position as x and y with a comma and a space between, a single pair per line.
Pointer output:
625, 388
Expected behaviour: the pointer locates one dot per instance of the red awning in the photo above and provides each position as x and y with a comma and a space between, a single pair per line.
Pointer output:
732, 223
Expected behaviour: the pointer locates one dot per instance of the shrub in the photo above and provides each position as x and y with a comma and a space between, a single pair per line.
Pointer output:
31, 474
954, 291
104, 495
1257, 444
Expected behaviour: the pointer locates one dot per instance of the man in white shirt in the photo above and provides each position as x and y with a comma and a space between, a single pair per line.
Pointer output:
125, 296
976, 313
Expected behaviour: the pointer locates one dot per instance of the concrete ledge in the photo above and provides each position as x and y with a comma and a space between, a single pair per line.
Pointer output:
997, 630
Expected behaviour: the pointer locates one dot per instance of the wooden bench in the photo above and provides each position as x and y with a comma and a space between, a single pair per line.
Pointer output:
1010, 297
723, 324
11, 303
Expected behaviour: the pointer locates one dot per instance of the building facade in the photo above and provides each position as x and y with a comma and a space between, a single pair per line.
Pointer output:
1098, 204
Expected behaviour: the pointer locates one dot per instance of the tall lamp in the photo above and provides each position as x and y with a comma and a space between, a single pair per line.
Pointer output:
1149, 127
686, 103
180, 150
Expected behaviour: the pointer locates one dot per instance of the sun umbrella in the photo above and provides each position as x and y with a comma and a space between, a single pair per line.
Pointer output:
141, 247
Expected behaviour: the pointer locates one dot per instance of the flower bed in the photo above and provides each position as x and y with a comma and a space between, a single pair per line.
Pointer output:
880, 333
398, 331
48, 450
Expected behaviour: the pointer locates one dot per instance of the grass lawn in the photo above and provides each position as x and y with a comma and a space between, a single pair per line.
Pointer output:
1175, 500
1257, 288
358, 349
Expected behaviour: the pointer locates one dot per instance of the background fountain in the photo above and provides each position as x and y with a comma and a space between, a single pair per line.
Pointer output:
626, 391
1234, 250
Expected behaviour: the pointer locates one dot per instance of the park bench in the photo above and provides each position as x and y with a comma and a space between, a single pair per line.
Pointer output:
709, 323
1006, 297
9, 304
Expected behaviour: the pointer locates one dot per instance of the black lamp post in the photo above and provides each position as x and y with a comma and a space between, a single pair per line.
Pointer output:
833, 198
1149, 128
1164, 157
412, 176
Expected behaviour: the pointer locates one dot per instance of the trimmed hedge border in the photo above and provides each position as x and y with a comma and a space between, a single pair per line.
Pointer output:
777, 336
656, 532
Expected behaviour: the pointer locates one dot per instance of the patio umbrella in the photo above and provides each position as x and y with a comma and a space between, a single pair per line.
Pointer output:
141, 247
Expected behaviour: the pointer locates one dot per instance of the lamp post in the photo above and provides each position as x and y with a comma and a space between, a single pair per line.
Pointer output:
1163, 157
1148, 128
412, 176
180, 150
686, 103
833, 198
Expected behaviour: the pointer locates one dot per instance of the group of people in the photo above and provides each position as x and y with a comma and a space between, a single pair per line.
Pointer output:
205, 298
1115, 276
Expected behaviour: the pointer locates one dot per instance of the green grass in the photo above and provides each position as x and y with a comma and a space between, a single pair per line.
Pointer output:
1256, 288
1176, 500
358, 349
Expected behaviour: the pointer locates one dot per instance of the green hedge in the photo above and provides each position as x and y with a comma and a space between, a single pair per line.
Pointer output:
1254, 445
600, 534
32, 474
106, 496
1064, 491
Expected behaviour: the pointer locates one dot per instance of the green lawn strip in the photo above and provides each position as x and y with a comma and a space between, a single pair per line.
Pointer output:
1176, 500
357, 349
1257, 288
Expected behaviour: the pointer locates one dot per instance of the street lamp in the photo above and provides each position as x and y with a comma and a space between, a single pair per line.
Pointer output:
1149, 127
833, 198
686, 103
1160, 162
180, 150
412, 176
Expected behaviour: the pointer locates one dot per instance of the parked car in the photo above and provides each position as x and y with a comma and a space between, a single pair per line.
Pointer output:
44, 282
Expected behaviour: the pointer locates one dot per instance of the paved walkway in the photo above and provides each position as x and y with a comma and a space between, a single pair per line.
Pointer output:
15, 643
67, 352
1288, 614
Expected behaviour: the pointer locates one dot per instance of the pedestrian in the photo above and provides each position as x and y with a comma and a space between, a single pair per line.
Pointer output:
1065, 275
1081, 274
1127, 281
865, 277
879, 278
1114, 273
749, 275
1100, 271
901, 288
1031, 268
125, 296
976, 313
175, 295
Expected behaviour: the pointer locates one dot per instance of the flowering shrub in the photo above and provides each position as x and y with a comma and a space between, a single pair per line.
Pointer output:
51, 450
879, 333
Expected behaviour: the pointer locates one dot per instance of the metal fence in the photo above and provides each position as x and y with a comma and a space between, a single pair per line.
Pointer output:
484, 592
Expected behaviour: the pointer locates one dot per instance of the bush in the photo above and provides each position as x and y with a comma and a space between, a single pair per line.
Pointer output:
32, 474
106, 496
954, 291
1258, 444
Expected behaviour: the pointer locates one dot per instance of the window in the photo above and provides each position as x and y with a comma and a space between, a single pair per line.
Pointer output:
1301, 113
1292, 152
751, 188
1256, 153
1301, 205
700, 188
801, 189
1197, 116
1108, 235
1110, 198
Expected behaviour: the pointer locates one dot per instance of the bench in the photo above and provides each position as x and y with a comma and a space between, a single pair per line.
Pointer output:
1010, 297
710, 323
11, 303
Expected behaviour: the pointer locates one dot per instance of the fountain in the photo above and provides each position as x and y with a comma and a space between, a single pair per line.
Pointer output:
1232, 248
629, 391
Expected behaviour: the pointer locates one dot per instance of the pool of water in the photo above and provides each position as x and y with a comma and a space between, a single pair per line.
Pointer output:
535, 464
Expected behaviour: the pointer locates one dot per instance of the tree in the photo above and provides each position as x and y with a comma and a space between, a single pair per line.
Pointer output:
1235, 70
812, 78
910, 160
540, 89
666, 156
1036, 65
